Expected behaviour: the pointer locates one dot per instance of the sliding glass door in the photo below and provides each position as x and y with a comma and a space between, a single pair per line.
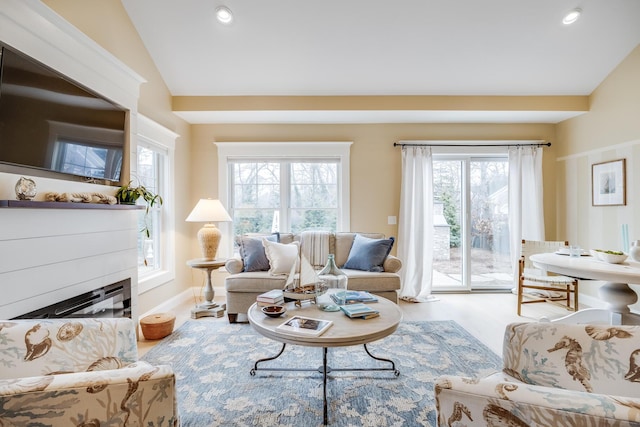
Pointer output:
471, 234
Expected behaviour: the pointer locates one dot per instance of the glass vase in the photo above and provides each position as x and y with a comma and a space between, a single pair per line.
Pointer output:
335, 279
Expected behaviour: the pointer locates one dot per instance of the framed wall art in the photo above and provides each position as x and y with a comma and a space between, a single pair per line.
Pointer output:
608, 183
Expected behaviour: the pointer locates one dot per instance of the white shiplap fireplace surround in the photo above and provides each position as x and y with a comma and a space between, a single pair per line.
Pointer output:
49, 255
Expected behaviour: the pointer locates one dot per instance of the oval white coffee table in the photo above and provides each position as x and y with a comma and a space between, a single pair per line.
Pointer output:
344, 332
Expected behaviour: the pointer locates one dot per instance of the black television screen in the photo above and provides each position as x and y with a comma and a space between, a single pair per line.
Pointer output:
48, 122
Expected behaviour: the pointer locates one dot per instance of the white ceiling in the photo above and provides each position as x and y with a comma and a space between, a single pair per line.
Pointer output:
376, 47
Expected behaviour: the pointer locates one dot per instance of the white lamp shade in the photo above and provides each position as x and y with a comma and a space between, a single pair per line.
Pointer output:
208, 210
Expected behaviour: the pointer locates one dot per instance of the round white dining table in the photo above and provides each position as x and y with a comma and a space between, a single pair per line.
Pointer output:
615, 292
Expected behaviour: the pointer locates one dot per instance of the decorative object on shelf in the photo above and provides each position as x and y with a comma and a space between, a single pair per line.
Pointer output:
56, 197
608, 183
105, 199
209, 211
334, 277
25, 189
81, 198
634, 250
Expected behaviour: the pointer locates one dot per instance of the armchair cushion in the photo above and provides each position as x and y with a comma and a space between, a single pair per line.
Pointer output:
591, 358
499, 400
45, 346
553, 374
81, 372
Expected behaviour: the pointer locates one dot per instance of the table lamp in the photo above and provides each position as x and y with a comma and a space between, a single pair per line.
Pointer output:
209, 211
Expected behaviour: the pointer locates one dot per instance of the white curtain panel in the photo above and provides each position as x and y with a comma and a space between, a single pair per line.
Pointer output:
526, 211
415, 227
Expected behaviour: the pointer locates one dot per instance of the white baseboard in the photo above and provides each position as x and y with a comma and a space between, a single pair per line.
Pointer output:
186, 295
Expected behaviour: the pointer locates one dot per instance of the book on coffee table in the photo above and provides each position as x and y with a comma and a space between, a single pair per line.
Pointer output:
274, 296
353, 297
300, 325
359, 310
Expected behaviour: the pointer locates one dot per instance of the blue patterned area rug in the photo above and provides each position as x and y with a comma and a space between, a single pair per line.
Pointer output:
212, 360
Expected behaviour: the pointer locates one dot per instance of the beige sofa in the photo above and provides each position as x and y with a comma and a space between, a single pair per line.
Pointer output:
243, 287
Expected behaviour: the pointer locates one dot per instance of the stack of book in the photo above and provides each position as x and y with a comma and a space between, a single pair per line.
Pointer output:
352, 297
274, 297
359, 311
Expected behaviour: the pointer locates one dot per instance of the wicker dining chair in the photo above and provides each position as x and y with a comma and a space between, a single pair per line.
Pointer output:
536, 285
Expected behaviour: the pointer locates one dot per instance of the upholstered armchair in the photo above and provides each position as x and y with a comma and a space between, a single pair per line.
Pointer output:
553, 375
80, 372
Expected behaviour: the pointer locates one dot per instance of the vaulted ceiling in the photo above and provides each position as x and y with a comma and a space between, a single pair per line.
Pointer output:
367, 61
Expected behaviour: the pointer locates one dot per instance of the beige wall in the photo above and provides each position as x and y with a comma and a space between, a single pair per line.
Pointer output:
107, 23
375, 162
610, 131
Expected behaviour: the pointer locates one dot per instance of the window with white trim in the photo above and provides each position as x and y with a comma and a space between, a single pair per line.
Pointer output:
287, 187
284, 194
155, 146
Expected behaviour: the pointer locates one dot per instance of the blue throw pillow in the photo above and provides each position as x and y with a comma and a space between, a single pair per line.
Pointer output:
368, 254
252, 252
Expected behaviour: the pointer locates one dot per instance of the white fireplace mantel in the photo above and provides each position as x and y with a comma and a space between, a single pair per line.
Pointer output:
51, 254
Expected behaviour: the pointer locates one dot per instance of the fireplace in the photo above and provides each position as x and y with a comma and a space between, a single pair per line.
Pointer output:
109, 301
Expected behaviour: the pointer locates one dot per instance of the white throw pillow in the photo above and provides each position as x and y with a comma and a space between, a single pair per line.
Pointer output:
282, 257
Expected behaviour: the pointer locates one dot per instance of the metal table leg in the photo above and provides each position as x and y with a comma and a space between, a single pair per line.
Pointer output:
324, 370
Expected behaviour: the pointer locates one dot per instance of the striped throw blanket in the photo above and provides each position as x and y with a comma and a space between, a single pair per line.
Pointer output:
315, 247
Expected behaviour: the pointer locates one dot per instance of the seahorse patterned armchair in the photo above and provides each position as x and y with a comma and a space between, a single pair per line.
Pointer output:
553, 375
80, 372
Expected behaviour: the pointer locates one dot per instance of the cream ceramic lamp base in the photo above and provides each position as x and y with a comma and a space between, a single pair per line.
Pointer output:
209, 239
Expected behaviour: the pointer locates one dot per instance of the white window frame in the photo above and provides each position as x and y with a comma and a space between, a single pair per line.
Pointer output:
155, 136
284, 150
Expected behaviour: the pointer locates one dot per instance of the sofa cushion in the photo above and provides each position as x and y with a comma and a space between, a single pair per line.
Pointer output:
342, 242
358, 280
252, 252
282, 257
253, 282
368, 254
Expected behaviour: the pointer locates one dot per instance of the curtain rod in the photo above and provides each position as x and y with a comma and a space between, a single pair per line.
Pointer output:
534, 144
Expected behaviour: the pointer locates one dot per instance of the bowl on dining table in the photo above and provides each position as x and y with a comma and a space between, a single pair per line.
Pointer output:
612, 257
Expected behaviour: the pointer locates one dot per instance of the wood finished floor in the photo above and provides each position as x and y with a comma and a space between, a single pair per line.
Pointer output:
484, 315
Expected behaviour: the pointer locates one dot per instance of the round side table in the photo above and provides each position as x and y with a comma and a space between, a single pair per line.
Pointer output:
208, 266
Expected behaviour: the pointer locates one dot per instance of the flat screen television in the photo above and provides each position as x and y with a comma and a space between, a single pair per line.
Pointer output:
50, 123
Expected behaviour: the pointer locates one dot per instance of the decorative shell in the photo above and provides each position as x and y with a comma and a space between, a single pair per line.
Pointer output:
69, 331
25, 189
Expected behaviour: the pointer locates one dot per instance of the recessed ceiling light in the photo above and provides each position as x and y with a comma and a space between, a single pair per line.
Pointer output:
572, 16
224, 15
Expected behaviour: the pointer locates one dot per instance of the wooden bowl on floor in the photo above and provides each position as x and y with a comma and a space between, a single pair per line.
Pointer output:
157, 326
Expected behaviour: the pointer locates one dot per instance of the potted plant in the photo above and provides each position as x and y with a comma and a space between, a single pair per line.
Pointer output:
129, 195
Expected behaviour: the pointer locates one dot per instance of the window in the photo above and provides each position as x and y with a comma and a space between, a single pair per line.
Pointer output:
260, 191
288, 187
153, 169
